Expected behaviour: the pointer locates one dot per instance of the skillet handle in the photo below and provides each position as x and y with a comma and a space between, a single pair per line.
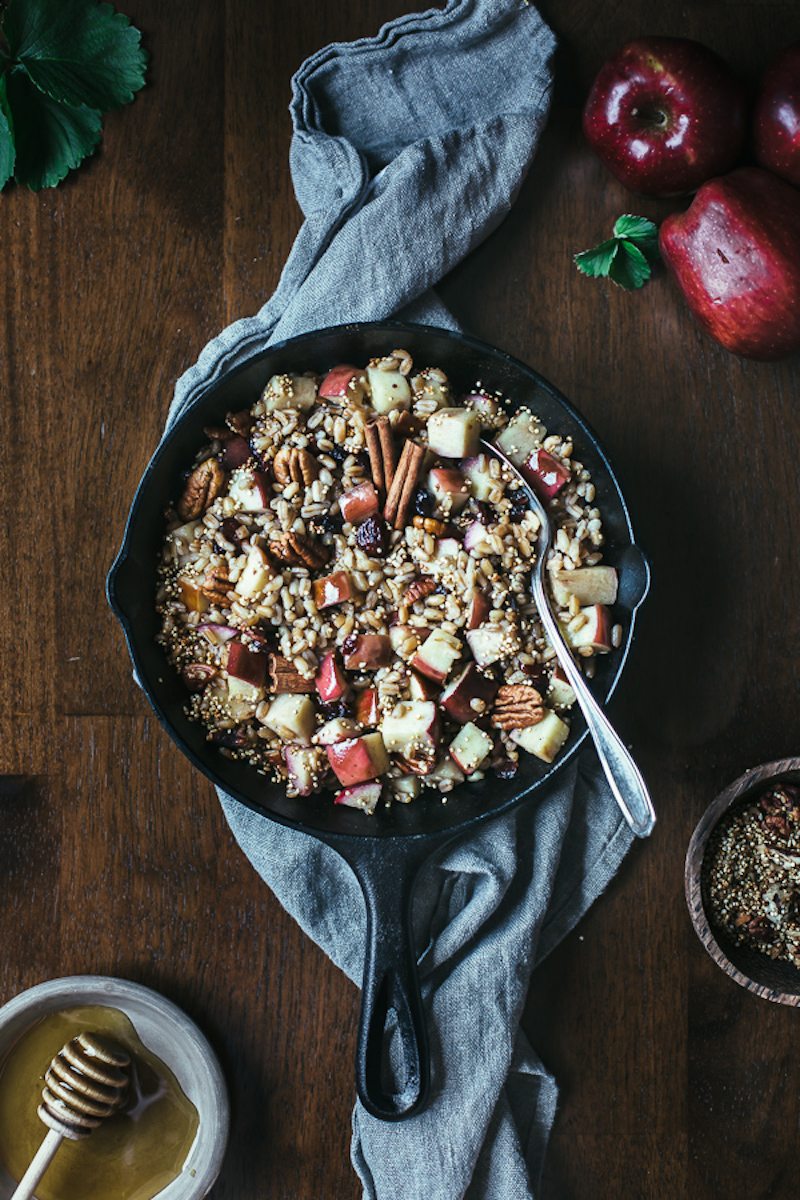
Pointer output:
391, 982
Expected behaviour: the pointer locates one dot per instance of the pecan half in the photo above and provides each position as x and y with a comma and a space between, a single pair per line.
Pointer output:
516, 706
284, 676
202, 488
419, 589
295, 466
298, 551
216, 586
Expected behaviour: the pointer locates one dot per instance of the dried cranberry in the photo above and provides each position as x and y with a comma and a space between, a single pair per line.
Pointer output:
333, 709
520, 504
232, 739
372, 536
230, 529
423, 503
505, 768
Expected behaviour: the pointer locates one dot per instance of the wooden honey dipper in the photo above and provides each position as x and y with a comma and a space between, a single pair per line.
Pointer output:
86, 1082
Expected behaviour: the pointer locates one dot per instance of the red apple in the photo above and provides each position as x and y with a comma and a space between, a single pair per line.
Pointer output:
436, 655
479, 608
664, 115
420, 688
359, 503
336, 383
235, 453
340, 729
358, 759
244, 664
776, 121
371, 650
545, 474
367, 711
330, 681
250, 490
470, 748
332, 589
305, 766
735, 255
595, 632
448, 487
364, 796
457, 697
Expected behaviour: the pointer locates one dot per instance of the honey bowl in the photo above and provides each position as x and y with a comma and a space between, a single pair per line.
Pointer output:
170, 1139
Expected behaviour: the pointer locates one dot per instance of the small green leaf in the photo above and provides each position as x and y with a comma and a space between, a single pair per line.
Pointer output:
51, 138
7, 152
638, 229
630, 269
597, 262
78, 52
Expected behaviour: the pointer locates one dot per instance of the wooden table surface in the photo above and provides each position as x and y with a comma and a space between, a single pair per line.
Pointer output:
115, 857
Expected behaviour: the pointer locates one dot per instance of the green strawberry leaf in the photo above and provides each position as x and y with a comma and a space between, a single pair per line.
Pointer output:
78, 52
630, 269
637, 229
51, 138
597, 262
7, 151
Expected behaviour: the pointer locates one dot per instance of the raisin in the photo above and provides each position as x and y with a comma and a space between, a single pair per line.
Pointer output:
423, 503
372, 536
327, 523
334, 708
520, 505
338, 453
482, 511
232, 739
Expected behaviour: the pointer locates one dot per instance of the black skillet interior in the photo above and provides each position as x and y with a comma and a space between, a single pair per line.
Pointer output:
131, 583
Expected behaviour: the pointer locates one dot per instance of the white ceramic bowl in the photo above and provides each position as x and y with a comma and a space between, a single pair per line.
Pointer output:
170, 1035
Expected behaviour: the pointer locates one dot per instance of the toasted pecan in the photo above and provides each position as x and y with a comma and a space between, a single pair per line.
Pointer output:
298, 551
284, 676
216, 586
516, 706
202, 488
419, 589
292, 465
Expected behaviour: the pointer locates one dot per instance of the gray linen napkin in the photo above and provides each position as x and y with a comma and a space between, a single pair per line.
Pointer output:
408, 150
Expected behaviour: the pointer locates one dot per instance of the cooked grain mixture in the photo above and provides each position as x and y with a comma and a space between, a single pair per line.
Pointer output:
754, 874
344, 584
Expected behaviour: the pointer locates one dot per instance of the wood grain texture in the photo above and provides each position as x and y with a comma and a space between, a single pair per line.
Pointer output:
115, 856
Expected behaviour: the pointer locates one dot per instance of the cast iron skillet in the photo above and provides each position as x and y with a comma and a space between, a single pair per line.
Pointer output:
387, 849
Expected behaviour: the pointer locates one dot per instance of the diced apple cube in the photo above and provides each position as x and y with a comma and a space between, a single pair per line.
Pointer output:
479, 607
449, 488
217, 635
305, 766
523, 434
420, 688
410, 725
289, 391
244, 663
389, 390
337, 730
429, 387
192, 596
454, 432
358, 759
291, 716
332, 589
342, 382
488, 644
406, 788
436, 655
371, 651
367, 711
470, 748
256, 574
241, 689
447, 549
469, 695
546, 474
589, 585
560, 693
475, 535
330, 681
477, 471
545, 739
595, 633
249, 490
363, 795
446, 771
486, 407
359, 503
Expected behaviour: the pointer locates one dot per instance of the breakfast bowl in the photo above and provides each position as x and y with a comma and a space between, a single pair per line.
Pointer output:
772, 979
387, 848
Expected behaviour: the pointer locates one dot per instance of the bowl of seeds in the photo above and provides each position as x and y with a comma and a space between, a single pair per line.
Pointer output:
743, 880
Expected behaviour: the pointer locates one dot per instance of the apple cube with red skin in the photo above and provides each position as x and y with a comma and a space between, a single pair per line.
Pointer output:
250, 490
470, 748
244, 664
291, 716
420, 688
544, 739
363, 795
389, 390
475, 535
399, 635
217, 635
522, 436
367, 711
406, 788
454, 432
546, 474
589, 585
256, 574
358, 759
560, 693
330, 680
340, 381
596, 633
333, 589
469, 685
479, 475
411, 725
436, 655
192, 597
371, 651
479, 608
446, 771
488, 644
449, 488
305, 766
235, 453
339, 729
359, 503
242, 697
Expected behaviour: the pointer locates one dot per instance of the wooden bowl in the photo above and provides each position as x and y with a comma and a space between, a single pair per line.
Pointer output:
773, 980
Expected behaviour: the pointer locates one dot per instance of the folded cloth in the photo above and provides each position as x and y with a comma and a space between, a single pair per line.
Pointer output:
408, 150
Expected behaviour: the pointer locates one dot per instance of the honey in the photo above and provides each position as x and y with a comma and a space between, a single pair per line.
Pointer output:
132, 1155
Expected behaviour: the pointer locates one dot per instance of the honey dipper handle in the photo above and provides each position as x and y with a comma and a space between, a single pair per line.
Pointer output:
38, 1165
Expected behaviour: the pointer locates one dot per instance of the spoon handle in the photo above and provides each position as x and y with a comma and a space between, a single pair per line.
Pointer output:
38, 1165
624, 777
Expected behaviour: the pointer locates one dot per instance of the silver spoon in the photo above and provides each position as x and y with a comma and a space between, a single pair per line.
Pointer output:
624, 778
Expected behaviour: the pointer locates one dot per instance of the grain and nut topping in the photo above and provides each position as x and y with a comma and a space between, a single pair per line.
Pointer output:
345, 585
